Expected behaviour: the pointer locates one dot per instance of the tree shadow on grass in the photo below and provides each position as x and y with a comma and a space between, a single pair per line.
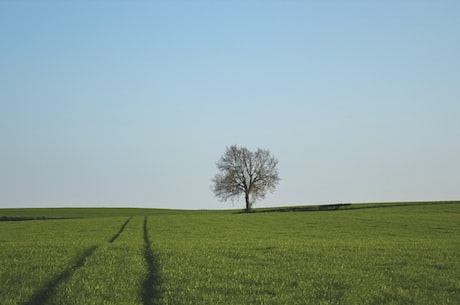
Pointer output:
151, 293
43, 295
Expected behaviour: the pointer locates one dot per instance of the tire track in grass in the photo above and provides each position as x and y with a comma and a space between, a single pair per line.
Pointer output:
119, 232
43, 295
151, 293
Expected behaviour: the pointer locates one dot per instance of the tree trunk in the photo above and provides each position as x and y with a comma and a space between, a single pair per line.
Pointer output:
248, 204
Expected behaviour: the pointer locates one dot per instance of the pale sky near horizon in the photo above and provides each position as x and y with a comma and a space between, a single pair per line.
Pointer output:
131, 103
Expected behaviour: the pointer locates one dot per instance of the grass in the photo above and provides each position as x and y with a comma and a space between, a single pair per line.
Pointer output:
406, 254
59, 213
36, 255
113, 274
403, 255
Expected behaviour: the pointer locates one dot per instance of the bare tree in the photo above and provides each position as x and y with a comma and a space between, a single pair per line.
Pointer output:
242, 172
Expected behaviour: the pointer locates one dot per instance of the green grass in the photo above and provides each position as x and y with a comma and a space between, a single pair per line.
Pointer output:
34, 254
94, 212
113, 274
401, 254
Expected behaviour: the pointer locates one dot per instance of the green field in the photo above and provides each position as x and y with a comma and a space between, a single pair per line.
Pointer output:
363, 254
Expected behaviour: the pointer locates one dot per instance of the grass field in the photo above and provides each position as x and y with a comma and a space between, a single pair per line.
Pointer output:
366, 254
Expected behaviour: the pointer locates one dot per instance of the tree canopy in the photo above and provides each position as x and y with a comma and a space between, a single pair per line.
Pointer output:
245, 173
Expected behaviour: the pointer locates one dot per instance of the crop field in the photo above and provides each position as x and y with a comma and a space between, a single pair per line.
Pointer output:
388, 254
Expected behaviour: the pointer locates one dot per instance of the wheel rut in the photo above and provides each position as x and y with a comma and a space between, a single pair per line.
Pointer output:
151, 293
120, 231
42, 296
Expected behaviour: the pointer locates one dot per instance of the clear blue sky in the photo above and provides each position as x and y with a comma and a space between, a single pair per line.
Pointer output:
131, 103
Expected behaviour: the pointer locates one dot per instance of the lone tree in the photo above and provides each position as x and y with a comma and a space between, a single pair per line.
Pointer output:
243, 172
